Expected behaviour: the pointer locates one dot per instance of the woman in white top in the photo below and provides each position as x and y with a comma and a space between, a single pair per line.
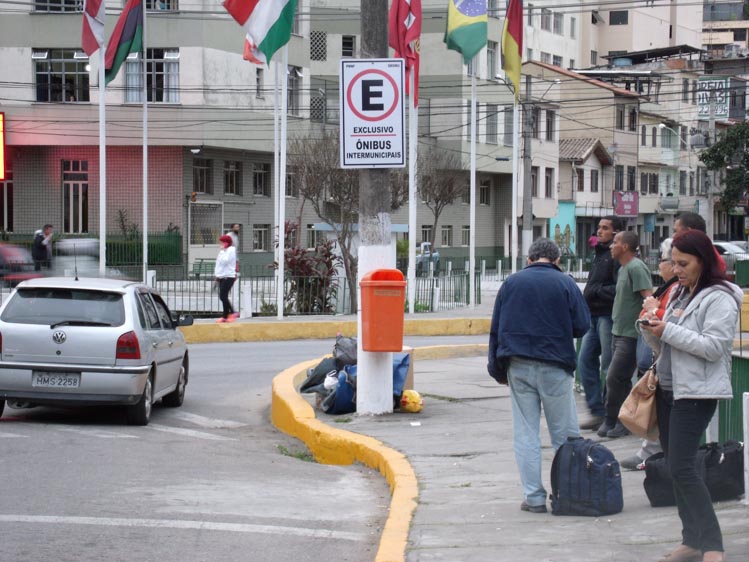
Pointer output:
226, 273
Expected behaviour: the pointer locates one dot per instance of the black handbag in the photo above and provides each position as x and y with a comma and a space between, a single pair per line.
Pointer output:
721, 466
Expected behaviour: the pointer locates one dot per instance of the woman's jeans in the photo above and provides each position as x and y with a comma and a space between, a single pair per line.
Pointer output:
681, 424
224, 288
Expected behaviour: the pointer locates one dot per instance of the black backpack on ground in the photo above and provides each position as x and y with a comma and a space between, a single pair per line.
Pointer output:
585, 480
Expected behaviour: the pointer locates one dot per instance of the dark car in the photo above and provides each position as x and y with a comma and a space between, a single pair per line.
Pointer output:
16, 265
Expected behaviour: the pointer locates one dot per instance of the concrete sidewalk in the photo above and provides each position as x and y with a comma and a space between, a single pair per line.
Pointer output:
467, 503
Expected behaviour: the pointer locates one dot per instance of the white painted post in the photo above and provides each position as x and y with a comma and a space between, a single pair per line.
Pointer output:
483, 268
245, 303
449, 268
712, 432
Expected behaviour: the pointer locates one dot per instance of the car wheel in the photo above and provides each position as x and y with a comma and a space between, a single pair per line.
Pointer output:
140, 413
2, 406
175, 398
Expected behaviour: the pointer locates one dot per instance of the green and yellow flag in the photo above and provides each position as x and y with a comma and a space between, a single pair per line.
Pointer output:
466, 27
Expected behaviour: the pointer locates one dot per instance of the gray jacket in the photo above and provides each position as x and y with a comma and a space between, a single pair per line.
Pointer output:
701, 343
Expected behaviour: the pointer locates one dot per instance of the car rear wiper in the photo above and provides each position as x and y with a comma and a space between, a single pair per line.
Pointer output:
78, 323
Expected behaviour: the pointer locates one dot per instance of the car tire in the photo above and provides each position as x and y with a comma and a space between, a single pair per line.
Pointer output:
140, 413
175, 398
2, 407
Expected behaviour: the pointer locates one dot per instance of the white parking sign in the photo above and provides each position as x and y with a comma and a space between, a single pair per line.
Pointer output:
372, 113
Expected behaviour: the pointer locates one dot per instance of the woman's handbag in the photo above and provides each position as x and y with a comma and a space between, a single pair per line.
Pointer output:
637, 413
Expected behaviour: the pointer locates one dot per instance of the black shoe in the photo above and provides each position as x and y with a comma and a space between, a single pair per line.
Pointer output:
593, 423
604, 429
618, 431
533, 508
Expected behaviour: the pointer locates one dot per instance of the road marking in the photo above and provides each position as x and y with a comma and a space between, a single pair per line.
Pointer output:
190, 433
10, 435
97, 433
210, 423
182, 524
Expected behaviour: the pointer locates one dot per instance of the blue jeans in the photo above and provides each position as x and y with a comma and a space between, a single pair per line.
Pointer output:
533, 384
593, 362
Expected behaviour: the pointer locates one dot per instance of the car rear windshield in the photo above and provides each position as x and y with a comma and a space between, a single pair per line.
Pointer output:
50, 306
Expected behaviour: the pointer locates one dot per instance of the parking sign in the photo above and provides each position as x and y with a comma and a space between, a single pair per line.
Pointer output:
372, 113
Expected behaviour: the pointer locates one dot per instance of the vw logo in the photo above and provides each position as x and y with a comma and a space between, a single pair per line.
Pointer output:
59, 336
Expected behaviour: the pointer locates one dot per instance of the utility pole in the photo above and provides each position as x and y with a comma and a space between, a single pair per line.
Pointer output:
710, 219
374, 370
527, 179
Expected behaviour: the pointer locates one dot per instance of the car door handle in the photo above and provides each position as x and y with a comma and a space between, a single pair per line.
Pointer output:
154, 345
171, 343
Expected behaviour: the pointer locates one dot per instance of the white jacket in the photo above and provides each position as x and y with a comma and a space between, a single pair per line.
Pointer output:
226, 263
701, 343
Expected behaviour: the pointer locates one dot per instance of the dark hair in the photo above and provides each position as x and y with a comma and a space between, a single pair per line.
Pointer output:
46, 226
692, 220
630, 239
543, 248
696, 243
617, 223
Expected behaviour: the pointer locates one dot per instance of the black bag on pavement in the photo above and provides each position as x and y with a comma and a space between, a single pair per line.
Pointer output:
585, 480
316, 376
721, 466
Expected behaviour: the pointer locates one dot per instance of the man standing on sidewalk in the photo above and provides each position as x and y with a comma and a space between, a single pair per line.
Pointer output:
595, 350
537, 314
634, 284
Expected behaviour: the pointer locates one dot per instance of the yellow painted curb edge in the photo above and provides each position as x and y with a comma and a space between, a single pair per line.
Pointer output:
293, 415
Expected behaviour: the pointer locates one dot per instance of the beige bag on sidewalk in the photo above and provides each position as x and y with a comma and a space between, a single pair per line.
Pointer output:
637, 413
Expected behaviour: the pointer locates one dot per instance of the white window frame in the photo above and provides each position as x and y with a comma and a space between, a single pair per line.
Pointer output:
162, 76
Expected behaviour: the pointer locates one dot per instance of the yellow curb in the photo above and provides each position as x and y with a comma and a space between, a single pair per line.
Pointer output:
293, 415
293, 330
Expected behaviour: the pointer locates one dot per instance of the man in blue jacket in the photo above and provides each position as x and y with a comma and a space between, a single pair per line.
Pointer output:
537, 314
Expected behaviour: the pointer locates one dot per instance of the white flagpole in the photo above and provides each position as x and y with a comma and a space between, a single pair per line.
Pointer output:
412, 155
515, 189
282, 182
145, 153
472, 243
102, 164
276, 168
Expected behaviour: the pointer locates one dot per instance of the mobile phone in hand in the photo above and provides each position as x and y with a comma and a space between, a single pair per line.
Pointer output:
644, 322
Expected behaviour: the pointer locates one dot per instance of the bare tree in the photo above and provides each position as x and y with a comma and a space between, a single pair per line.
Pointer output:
442, 180
333, 192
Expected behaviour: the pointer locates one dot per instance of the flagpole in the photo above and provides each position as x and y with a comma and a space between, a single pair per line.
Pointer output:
145, 152
412, 152
102, 164
276, 168
472, 243
515, 190
282, 182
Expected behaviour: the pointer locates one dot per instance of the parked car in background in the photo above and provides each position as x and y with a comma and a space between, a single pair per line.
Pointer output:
731, 253
16, 265
88, 341
743, 244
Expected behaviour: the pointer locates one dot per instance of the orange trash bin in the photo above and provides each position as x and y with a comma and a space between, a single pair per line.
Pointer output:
383, 297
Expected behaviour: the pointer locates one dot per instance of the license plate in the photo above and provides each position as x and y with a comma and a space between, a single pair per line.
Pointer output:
48, 379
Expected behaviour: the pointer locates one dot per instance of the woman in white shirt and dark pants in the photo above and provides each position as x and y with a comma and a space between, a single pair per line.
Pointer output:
225, 274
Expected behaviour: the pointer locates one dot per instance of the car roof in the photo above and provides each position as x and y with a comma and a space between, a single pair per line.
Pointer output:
89, 283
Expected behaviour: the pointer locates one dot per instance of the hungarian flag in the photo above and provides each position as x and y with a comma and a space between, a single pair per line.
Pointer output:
249, 49
126, 38
92, 36
268, 24
512, 43
466, 27
404, 30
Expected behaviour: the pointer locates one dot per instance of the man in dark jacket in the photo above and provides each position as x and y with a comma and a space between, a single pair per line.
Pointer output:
537, 314
41, 248
595, 350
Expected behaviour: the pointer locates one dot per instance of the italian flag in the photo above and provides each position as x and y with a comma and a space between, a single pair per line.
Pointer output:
267, 22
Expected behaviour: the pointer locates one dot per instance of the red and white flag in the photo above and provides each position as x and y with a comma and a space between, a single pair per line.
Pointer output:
92, 36
404, 29
249, 51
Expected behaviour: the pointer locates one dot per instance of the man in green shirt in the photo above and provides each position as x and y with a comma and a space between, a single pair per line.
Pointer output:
633, 284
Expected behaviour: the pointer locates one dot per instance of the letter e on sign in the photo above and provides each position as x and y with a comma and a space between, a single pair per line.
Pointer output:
372, 113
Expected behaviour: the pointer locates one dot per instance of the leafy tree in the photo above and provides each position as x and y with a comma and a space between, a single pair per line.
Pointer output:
729, 153
441, 180
333, 192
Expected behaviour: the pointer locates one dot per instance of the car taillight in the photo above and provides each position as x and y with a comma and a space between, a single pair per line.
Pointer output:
128, 346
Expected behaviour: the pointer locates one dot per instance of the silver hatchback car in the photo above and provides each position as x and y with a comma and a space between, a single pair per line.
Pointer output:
67, 341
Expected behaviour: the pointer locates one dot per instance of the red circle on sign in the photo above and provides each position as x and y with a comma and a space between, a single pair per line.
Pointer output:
351, 87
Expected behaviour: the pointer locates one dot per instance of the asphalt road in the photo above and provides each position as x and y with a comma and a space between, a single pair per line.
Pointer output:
212, 480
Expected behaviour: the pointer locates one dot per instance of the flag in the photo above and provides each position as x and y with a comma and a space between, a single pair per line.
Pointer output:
126, 38
267, 22
466, 27
404, 30
92, 35
249, 49
512, 43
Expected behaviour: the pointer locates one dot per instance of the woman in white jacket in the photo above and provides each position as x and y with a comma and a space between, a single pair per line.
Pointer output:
695, 339
226, 273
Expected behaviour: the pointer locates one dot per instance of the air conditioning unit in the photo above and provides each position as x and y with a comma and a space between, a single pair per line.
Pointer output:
731, 51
